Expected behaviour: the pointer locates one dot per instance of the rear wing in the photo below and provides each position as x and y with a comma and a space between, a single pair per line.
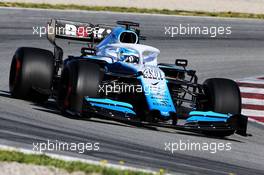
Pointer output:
80, 31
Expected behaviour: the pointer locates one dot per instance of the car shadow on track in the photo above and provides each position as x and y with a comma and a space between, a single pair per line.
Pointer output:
51, 107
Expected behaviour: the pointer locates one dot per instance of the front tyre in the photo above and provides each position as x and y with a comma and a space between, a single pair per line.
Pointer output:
79, 79
223, 96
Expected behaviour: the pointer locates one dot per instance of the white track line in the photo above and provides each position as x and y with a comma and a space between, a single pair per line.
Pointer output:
251, 90
255, 113
251, 81
252, 101
68, 158
108, 165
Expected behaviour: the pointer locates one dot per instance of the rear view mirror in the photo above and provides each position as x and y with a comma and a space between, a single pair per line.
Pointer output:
181, 62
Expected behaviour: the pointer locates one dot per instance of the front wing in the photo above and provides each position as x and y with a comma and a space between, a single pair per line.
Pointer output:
206, 122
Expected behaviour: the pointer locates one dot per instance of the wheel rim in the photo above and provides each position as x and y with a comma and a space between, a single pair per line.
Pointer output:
66, 102
15, 72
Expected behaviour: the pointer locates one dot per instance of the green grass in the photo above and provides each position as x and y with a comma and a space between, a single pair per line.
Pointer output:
132, 10
70, 166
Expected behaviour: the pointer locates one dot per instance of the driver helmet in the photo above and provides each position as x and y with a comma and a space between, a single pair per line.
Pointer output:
128, 55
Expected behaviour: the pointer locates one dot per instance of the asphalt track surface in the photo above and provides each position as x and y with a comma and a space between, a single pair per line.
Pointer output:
236, 56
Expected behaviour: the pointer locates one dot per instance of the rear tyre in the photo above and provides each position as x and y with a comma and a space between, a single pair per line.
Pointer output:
223, 96
79, 78
31, 74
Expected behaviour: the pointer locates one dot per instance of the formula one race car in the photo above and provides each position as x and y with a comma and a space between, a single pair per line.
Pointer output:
116, 77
